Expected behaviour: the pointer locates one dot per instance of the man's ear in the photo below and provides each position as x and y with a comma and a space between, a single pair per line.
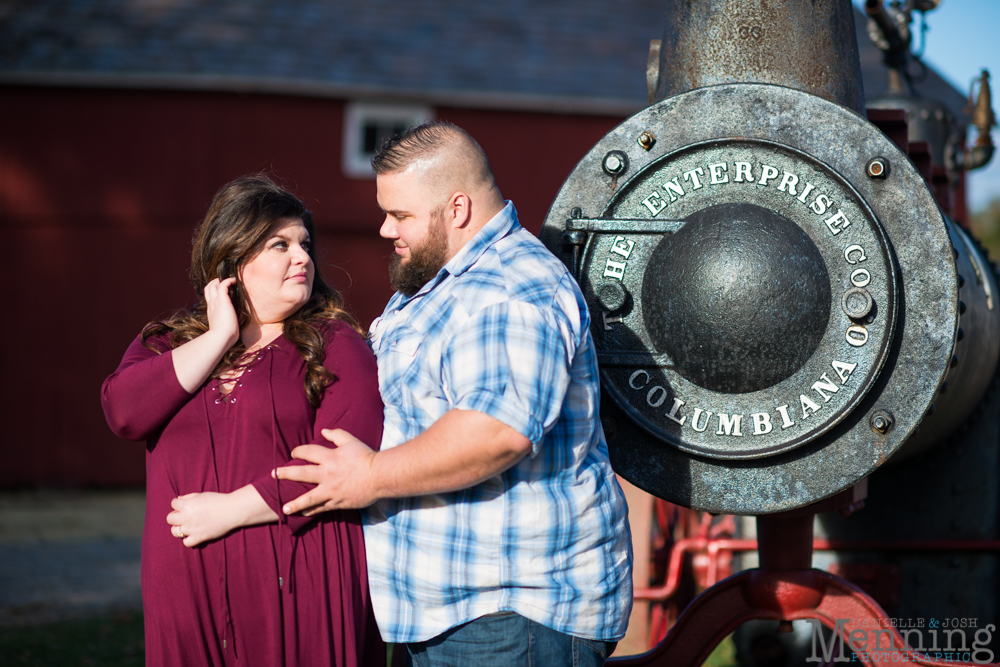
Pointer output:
459, 210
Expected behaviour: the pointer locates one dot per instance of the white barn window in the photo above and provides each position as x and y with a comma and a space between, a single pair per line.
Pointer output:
367, 125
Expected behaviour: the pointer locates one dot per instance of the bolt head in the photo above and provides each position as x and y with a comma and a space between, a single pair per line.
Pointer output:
615, 163
857, 303
877, 167
881, 422
612, 295
646, 140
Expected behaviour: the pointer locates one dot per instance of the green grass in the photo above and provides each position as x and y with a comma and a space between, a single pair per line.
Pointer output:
104, 641
724, 654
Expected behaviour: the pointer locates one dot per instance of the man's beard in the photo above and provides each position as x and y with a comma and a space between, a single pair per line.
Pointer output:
424, 263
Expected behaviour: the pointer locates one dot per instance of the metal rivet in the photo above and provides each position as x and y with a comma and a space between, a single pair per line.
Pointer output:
960, 334
612, 295
877, 167
881, 422
954, 360
576, 213
615, 163
944, 387
961, 308
961, 281
646, 139
856, 303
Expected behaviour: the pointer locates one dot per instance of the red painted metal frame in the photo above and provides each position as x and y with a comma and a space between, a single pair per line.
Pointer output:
715, 547
778, 596
783, 589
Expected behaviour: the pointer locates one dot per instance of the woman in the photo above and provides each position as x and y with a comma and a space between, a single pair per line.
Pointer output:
222, 394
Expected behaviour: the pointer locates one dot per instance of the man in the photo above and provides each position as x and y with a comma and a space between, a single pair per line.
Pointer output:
495, 529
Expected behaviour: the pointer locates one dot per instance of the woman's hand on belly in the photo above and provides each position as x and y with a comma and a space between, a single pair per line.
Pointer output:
202, 517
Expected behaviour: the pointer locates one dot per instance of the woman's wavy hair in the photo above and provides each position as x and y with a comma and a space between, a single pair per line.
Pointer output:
232, 234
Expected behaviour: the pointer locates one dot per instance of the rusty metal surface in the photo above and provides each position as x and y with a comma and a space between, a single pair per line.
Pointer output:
809, 46
916, 235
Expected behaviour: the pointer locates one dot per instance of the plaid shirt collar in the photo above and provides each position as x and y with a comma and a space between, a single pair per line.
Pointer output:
499, 226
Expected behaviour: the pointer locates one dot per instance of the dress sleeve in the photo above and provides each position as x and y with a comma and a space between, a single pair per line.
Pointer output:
351, 403
144, 393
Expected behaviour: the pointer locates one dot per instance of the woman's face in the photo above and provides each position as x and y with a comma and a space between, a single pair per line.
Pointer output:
278, 279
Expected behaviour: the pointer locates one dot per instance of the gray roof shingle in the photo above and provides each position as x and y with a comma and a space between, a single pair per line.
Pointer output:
569, 54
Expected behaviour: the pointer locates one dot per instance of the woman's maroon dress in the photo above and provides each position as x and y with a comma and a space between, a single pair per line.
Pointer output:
288, 593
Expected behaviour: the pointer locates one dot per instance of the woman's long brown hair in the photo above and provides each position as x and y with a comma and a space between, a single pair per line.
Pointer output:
230, 236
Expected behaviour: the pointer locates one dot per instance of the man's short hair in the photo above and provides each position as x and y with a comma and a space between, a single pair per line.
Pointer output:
423, 141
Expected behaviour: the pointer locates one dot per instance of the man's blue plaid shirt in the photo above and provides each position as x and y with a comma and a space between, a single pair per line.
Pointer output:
502, 329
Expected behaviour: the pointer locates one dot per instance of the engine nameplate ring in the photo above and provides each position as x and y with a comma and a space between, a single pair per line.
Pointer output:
739, 416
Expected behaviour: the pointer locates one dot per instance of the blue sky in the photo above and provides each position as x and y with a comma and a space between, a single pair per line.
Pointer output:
963, 37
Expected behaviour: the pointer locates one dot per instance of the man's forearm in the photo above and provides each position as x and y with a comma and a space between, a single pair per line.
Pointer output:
458, 451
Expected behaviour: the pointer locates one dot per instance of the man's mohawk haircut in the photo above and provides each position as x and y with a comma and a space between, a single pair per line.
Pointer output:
400, 151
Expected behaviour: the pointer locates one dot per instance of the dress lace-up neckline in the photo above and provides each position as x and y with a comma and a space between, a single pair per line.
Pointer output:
224, 387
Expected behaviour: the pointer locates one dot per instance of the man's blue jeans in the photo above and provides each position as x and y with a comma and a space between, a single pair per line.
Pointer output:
507, 639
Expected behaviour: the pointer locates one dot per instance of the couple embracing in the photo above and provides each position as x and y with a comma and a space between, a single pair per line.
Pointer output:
456, 496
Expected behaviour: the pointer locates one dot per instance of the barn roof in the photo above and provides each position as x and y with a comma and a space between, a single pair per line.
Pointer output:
561, 55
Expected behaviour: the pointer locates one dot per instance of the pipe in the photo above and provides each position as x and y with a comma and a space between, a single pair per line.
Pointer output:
983, 119
897, 37
713, 546
809, 46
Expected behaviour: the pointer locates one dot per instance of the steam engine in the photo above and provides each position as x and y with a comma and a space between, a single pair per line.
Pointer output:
781, 304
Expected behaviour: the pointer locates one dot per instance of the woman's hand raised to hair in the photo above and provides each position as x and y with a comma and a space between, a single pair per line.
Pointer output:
222, 317
195, 359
